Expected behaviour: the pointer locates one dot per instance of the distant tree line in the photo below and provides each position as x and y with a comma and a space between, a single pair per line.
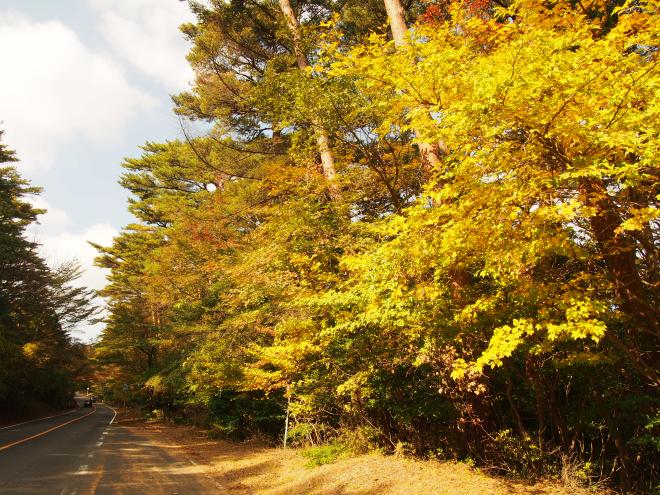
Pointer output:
39, 360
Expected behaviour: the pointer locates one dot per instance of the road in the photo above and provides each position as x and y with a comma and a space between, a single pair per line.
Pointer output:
81, 453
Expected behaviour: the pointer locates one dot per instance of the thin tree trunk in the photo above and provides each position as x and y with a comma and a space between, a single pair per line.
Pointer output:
621, 447
430, 153
288, 410
648, 371
533, 377
514, 410
556, 416
322, 137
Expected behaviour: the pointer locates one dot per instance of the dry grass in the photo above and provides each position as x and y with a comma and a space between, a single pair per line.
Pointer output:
253, 469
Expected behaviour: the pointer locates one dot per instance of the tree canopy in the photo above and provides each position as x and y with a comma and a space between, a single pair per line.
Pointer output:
476, 277
39, 359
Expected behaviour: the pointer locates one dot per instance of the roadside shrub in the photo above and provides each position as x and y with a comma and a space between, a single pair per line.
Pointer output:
575, 473
361, 439
226, 430
307, 434
241, 415
645, 453
155, 415
324, 454
515, 455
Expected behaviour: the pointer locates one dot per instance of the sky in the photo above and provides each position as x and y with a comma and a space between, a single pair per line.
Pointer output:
84, 84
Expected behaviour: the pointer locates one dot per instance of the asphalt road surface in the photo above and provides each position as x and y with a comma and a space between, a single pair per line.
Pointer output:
82, 453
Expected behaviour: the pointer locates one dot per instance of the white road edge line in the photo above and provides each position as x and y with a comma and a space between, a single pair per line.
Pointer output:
113, 418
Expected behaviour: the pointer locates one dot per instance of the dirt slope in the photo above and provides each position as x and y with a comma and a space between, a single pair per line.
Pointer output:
242, 469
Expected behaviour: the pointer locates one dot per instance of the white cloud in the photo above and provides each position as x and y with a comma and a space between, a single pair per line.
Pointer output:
59, 243
63, 246
54, 220
146, 34
55, 90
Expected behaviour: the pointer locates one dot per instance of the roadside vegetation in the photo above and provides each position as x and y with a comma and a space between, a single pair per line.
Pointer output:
255, 469
427, 228
40, 363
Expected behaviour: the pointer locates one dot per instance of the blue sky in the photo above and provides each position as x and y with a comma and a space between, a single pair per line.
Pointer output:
84, 84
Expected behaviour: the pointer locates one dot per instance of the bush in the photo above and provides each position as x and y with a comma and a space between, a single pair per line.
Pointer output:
241, 415
226, 430
515, 455
361, 439
155, 415
308, 434
575, 473
324, 454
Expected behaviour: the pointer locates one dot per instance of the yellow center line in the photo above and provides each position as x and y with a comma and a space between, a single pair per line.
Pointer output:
4, 447
96, 481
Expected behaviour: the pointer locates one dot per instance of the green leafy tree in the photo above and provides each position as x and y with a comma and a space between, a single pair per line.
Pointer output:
38, 307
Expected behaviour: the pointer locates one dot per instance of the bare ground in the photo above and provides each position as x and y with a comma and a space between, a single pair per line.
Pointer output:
253, 469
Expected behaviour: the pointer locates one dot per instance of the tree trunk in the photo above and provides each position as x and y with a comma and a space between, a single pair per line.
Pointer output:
533, 377
327, 159
514, 410
322, 137
618, 251
645, 369
621, 447
430, 153
397, 18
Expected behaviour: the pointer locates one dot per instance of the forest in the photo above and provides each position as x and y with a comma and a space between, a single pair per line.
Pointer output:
41, 364
422, 226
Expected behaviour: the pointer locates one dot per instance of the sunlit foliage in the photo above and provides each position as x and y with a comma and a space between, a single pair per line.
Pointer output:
500, 304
